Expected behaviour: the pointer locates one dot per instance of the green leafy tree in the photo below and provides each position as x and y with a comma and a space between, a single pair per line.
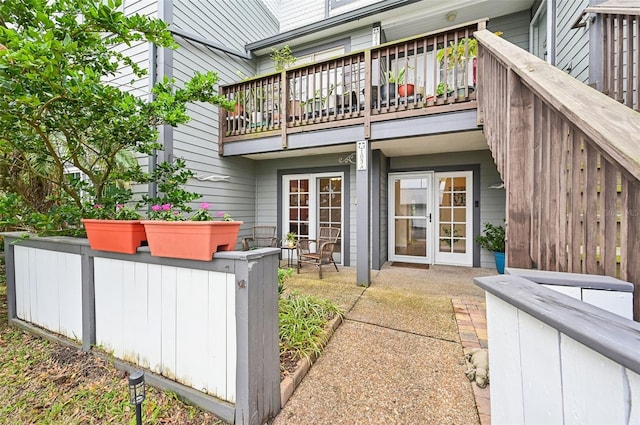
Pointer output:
58, 109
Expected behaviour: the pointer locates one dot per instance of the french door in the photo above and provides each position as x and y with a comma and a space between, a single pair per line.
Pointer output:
454, 218
431, 217
311, 201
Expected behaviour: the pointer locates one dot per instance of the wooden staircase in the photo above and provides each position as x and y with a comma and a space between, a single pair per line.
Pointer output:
569, 157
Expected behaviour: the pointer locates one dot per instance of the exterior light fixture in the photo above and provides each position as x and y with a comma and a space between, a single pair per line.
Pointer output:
137, 393
451, 16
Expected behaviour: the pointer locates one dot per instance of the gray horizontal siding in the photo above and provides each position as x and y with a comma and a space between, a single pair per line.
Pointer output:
231, 23
572, 45
492, 201
515, 28
266, 193
298, 13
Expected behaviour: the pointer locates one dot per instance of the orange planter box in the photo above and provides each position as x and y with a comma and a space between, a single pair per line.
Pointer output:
123, 236
191, 240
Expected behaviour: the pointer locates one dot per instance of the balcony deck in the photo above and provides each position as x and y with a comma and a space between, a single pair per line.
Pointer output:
424, 75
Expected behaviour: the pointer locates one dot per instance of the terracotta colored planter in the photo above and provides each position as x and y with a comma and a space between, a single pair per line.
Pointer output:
114, 235
191, 240
406, 90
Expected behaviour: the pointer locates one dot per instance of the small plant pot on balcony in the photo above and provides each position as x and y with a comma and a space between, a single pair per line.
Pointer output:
405, 90
191, 240
392, 91
123, 236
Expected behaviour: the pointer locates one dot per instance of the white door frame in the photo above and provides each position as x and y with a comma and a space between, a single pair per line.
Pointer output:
313, 205
457, 259
428, 259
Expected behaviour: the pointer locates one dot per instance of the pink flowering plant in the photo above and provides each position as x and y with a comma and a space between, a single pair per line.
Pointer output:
203, 214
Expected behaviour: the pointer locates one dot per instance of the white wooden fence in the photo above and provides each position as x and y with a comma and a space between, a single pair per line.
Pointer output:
49, 290
206, 330
554, 359
175, 321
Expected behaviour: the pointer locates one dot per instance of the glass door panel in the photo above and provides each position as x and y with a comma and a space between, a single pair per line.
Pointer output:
329, 195
298, 208
454, 218
410, 210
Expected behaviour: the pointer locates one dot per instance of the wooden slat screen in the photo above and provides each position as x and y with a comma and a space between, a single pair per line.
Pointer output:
570, 160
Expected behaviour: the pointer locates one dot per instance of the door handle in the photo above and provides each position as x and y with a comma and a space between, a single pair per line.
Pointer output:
429, 217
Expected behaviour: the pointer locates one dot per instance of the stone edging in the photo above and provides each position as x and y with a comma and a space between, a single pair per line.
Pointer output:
291, 382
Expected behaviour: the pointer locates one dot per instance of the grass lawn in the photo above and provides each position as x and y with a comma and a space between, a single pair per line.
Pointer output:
43, 382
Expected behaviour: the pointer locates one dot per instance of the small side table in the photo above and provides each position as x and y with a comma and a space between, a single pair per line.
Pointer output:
289, 250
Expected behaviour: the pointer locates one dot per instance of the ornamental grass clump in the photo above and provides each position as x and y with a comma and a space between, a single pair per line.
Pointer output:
303, 320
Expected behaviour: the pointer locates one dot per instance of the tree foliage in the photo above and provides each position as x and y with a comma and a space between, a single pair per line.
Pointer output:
59, 107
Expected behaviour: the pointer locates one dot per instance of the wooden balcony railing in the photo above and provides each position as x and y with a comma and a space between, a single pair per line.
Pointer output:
434, 72
620, 32
570, 160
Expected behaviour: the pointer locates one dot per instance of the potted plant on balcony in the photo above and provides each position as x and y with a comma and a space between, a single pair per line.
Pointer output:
457, 56
493, 239
170, 233
397, 81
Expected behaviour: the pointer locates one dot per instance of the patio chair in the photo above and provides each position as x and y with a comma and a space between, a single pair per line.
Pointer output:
263, 237
318, 252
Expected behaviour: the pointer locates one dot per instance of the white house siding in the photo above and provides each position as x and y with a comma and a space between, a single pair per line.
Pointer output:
231, 24
492, 201
515, 28
572, 45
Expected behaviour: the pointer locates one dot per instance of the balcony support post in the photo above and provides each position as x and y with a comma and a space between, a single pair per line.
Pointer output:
519, 172
284, 107
367, 93
363, 212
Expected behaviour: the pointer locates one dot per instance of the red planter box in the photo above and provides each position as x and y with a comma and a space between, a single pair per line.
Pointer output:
191, 240
123, 236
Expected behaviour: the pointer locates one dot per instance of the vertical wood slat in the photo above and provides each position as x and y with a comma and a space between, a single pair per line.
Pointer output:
577, 205
519, 172
554, 190
590, 213
629, 88
537, 173
608, 217
620, 62
563, 177
544, 187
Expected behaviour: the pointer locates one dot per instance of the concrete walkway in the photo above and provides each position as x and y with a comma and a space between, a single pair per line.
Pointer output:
398, 358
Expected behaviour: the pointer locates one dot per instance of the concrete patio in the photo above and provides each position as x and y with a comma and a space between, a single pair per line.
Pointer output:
399, 355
